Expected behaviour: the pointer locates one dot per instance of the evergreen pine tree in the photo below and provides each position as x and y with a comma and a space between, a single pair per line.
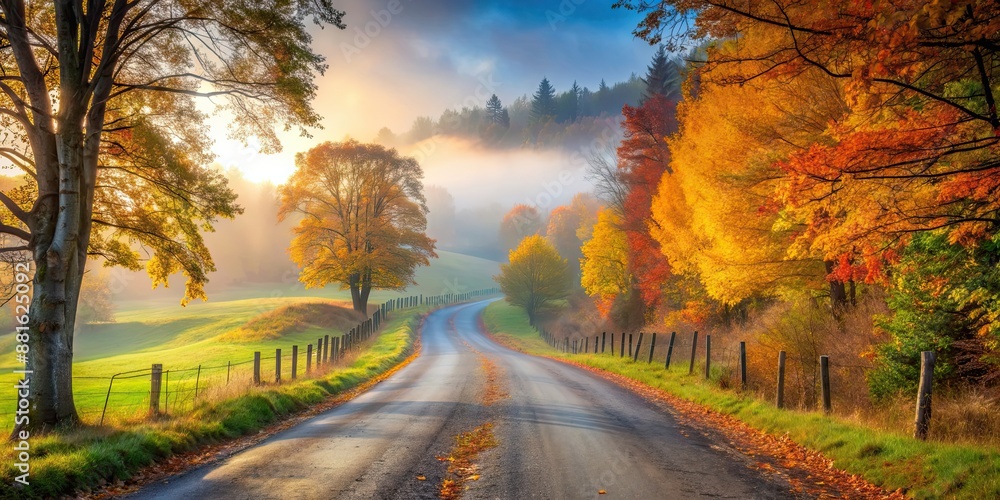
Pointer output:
569, 105
504, 118
543, 103
494, 109
662, 76
603, 98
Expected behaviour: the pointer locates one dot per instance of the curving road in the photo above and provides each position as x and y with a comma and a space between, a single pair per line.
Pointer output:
563, 433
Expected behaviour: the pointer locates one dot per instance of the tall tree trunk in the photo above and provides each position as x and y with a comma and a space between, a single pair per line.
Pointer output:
59, 255
354, 282
838, 292
366, 290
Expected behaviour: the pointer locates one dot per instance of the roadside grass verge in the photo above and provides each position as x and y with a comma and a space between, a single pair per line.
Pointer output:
89, 457
890, 460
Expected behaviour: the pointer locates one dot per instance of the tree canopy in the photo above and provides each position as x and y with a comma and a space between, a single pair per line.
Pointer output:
364, 218
543, 102
535, 277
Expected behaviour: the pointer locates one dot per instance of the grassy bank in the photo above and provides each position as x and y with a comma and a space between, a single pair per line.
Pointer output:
890, 460
89, 457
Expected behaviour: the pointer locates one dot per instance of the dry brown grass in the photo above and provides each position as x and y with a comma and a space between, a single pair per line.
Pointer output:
294, 318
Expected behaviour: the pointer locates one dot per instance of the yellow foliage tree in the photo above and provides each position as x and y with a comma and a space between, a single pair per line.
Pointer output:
535, 277
605, 260
715, 215
364, 218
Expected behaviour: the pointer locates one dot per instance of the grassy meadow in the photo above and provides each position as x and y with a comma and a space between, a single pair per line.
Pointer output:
90, 456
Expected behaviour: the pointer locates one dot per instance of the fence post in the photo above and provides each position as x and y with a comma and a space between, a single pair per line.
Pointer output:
652, 345
824, 373
694, 350
630, 345
621, 350
256, 368
309, 358
155, 378
635, 356
604, 339
277, 365
197, 381
295, 362
597, 339
326, 349
781, 379
743, 365
166, 391
107, 397
612, 343
923, 419
670, 350
586, 345
229, 368
708, 356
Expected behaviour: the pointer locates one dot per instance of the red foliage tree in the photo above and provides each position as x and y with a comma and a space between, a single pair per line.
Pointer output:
643, 159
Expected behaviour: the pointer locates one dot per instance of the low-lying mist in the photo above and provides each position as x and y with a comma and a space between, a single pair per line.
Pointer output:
469, 188
478, 176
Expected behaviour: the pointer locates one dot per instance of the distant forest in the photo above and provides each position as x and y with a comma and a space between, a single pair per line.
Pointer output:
546, 118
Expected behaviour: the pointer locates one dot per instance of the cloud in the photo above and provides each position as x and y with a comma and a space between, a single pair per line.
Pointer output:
400, 59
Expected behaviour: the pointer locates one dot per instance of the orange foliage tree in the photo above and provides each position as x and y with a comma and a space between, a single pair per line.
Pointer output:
520, 222
919, 144
364, 218
569, 225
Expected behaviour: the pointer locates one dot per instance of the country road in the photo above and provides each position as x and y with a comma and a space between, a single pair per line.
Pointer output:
562, 433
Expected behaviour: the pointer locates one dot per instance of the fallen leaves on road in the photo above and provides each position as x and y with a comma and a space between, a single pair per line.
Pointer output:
421, 478
602, 492
494, 391
461, 460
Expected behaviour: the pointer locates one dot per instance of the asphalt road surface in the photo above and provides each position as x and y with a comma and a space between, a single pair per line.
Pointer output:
563, 434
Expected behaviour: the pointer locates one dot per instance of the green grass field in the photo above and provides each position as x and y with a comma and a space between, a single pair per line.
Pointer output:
184, 338
890, 460
84, 458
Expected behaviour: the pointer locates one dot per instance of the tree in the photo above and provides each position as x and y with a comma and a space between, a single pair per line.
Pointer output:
726, 150
945, 299
494, 109
543, 102
602, 99
643, 159
662, 76
364, 218
423, 128
568, 227
96, 303
386, 137
441, 216
604, 264
535, 277
568, 105
100, 98
919, 144
520, 222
